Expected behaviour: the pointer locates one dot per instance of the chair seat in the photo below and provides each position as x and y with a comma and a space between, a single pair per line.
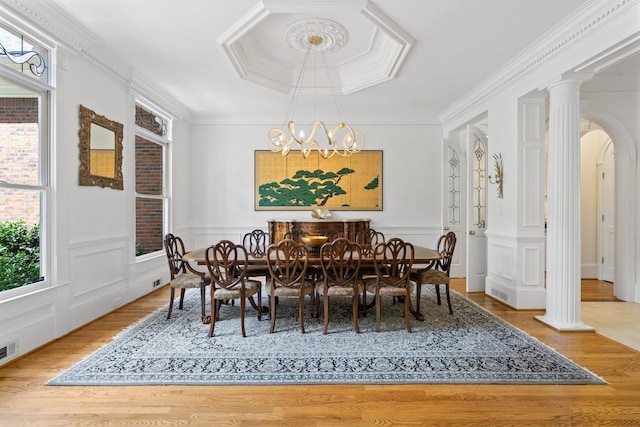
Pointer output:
395, 291
340, 290
189, 280
432, 276
251, 288
289, 291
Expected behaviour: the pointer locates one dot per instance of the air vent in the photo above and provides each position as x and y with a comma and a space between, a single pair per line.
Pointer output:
499, 294
7, 351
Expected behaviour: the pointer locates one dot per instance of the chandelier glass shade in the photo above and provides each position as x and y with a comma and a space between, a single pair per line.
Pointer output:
342, 139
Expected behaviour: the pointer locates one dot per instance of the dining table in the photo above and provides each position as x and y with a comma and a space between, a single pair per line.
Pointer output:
424, 258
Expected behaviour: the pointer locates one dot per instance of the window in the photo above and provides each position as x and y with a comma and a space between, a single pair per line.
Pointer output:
479, 183
24, 176
23, 55
152, 201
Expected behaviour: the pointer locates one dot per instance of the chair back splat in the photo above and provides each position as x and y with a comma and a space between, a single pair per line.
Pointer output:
256, 243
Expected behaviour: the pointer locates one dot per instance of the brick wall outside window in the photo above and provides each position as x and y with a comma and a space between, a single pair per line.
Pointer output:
19, 158
149, 182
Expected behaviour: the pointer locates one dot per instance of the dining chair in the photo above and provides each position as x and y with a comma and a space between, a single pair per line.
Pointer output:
437, 273
392, 261
183, 275
340, 261
368, 239
227, 264
256, 243
287, 262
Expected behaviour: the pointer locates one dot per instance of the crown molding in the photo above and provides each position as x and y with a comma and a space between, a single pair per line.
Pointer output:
268, 124
51, 21
164, 100
575, 28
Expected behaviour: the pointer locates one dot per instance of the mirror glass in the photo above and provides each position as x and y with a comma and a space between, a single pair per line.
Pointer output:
103, 152
100, 150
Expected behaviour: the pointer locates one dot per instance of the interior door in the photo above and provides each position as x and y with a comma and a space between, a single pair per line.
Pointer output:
606, 223
476, 256
453, 212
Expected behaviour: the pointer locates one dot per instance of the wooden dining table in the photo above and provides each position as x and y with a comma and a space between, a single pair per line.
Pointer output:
424, 258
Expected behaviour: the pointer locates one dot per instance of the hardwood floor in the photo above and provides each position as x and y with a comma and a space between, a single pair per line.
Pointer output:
26, 401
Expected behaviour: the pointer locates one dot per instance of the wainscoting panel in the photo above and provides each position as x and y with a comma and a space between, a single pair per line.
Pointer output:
501, 260
97, 279
27, 322
531, 266
516, 270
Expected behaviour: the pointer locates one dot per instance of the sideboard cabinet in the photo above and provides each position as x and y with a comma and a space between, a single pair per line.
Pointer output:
348, 227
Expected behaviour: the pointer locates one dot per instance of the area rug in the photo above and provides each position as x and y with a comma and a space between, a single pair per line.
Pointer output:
472, 346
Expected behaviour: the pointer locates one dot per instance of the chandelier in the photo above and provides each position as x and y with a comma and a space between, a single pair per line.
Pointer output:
342, 139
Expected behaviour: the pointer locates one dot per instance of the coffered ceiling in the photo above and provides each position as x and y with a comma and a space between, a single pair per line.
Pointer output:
232, 61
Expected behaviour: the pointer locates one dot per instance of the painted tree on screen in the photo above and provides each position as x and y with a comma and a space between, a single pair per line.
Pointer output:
304, 188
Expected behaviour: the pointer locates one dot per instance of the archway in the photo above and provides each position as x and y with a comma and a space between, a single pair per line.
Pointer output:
597, 203
625, 159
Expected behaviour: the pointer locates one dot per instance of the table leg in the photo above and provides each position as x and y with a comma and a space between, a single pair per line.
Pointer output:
253, 303
416, 312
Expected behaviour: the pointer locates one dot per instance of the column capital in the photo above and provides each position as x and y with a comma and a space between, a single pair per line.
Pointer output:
567, 78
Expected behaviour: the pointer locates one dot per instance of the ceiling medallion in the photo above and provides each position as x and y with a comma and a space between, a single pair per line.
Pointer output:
332, 35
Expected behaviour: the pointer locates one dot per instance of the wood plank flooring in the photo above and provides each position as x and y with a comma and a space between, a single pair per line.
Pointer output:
26, 401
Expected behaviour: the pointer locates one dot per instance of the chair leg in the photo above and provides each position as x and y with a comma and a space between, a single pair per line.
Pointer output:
301, 311
418, 295
438, 293
260, 303
171, 297
243, 302
219, 308
202, 298
214, 315
407, 319
448, 298
272, 313
355, 299
326, 314
182, 292
378, 311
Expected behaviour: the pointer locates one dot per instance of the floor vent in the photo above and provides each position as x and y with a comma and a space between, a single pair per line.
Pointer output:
499, 294
7, 350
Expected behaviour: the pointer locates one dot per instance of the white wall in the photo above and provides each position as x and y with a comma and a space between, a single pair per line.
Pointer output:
222, 181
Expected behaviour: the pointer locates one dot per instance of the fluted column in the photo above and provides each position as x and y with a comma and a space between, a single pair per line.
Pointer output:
563, 209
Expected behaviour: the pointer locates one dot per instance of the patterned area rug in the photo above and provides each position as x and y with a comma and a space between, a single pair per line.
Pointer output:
472, 346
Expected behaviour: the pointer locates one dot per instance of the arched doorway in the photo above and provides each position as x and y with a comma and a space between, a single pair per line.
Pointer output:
623, 153
597, 203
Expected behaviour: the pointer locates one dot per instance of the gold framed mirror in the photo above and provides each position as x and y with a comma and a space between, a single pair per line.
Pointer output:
100, 150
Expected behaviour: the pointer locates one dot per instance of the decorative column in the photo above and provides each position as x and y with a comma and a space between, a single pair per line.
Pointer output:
563, 209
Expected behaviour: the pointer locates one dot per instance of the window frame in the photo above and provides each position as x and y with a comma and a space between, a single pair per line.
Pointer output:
164, 142
44, 90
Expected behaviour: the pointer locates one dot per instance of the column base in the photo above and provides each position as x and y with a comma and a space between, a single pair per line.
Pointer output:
564, 326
